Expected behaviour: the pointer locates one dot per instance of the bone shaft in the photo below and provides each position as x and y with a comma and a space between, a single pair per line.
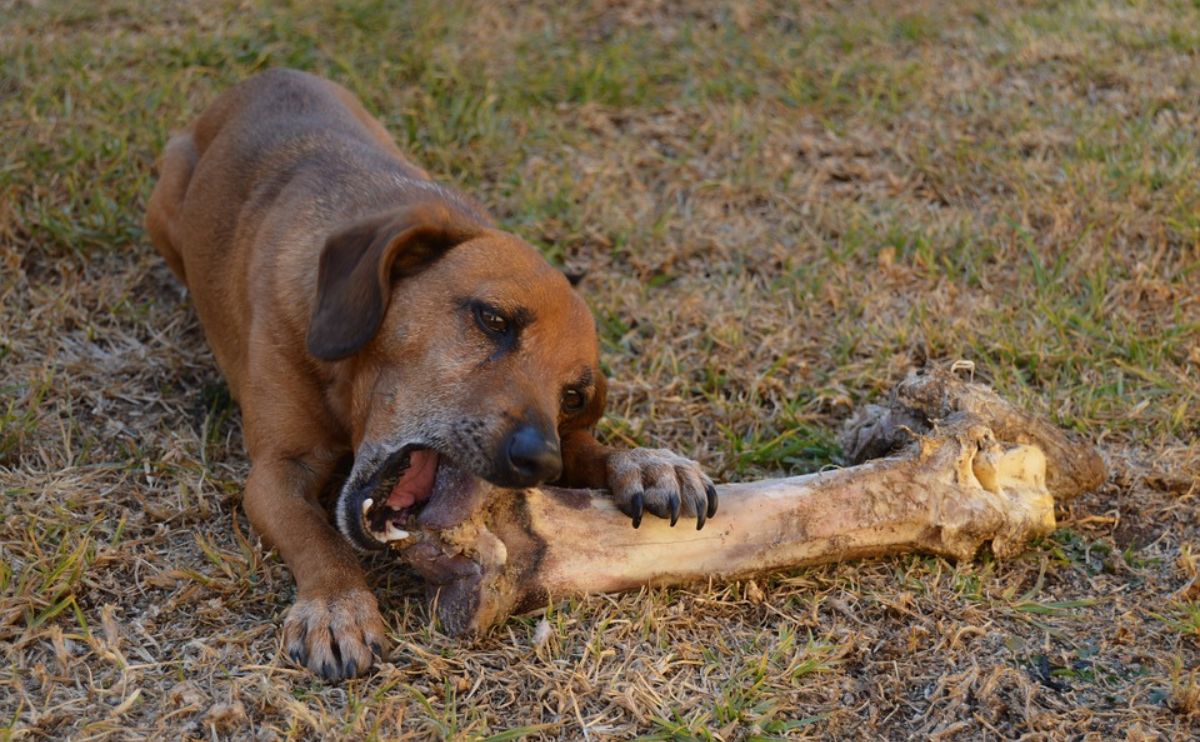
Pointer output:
760, 527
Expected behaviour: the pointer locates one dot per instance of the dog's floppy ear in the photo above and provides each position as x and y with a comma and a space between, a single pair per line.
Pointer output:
360, 261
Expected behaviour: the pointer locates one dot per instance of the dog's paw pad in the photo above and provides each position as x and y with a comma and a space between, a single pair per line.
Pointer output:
336, 637
662, 483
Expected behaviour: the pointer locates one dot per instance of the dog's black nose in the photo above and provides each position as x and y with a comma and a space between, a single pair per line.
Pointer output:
532, 458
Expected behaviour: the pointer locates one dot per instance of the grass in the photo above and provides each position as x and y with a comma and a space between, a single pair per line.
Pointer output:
779, 207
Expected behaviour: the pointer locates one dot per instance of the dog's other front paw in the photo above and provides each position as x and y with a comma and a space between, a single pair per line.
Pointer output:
337, 636
662, 482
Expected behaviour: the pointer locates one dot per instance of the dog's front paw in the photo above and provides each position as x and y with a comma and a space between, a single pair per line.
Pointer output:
338, 636
661, 482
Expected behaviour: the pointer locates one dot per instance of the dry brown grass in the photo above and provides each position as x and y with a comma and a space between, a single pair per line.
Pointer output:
779, 208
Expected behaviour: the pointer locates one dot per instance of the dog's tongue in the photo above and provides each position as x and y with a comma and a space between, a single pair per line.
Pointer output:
416, 483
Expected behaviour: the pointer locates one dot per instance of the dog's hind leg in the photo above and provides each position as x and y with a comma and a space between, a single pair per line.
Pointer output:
174, 173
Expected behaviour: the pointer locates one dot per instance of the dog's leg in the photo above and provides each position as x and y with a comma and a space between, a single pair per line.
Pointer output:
641, 479
174, 173
334, 628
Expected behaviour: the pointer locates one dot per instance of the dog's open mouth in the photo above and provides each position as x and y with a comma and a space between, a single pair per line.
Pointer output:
391, 492
405, 485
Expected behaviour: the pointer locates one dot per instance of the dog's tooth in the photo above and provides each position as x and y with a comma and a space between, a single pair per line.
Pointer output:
367, 503
393, 533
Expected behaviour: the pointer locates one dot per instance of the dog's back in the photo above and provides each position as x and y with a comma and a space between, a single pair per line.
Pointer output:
280, 139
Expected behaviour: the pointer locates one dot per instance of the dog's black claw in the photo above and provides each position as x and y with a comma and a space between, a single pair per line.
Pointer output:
636, 506
674, 502
377, 650
700, 520
297, 655
351, 668
327, 672
712, 499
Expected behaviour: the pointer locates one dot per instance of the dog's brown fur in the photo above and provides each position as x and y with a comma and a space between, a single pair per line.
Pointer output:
339, 288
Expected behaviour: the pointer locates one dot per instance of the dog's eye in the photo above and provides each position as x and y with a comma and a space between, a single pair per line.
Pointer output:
491, 320
573, 400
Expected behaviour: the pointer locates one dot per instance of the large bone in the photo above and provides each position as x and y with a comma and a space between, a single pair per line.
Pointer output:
487, 553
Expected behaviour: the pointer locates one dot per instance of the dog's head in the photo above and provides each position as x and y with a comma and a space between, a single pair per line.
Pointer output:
464, 350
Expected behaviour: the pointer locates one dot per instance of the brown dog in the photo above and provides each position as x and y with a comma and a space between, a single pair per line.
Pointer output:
358, 308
